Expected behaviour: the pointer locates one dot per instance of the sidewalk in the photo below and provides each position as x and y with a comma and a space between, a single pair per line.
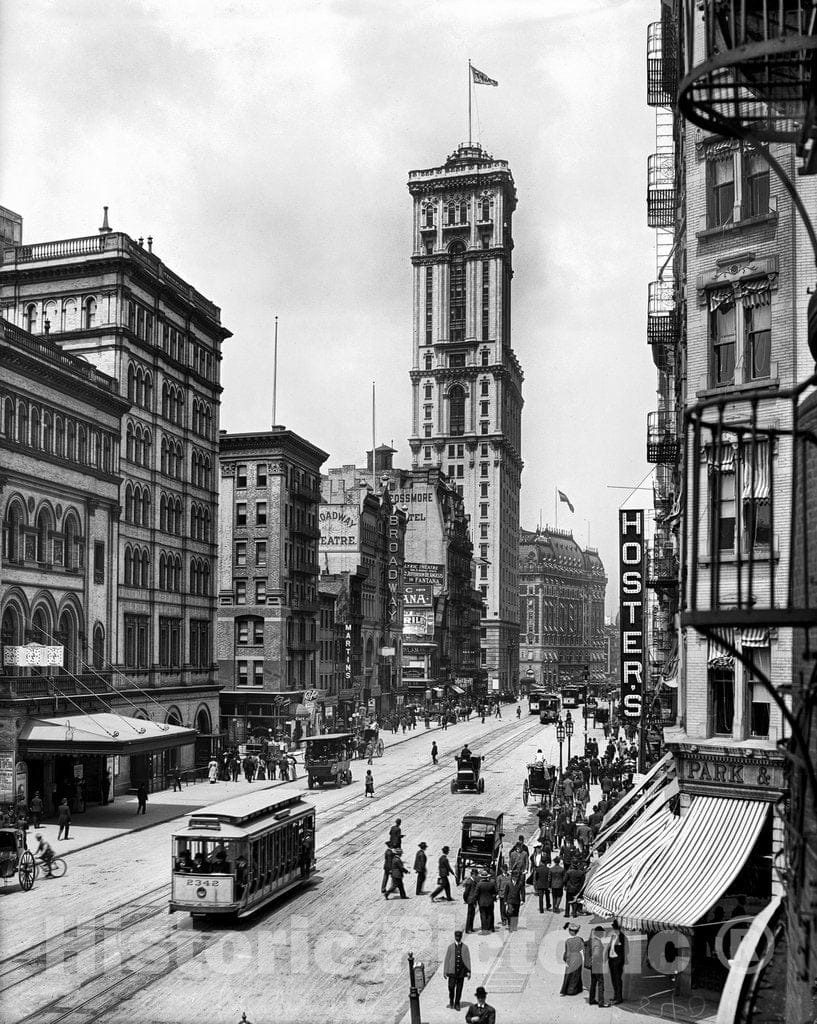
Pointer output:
100, 824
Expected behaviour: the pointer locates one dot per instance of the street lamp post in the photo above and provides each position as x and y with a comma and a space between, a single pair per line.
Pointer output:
414, 994
560, 738
568, 732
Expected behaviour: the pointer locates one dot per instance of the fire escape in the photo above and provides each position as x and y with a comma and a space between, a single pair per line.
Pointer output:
751, 74
664, 333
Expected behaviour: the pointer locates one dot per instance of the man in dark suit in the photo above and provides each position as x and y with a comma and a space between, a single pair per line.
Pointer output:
616, 959
420, 862
469, 894
480, 1012
387, 856
443, 874
396, 835
486, 897
456, 968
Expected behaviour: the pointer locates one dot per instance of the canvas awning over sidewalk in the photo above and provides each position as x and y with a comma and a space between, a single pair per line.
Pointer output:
667, 871
102, 733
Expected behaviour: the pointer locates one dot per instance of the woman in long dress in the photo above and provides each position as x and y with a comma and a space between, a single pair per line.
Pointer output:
212, 771
573, 957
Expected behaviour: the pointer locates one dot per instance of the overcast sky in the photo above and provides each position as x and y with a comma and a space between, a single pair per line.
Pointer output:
266, 147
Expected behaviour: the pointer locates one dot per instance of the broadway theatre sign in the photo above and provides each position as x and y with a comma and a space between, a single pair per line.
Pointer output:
714, 774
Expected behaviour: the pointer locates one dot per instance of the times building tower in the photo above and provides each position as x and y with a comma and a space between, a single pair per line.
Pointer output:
466, 380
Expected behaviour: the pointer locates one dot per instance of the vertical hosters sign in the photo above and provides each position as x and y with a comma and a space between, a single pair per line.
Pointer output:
631, 610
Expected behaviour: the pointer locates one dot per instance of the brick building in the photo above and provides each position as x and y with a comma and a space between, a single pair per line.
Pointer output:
268, 603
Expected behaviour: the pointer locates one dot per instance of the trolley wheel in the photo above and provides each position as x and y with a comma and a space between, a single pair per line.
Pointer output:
453, 786
481, 786
27, 870
525, 792
379, 749
58, 867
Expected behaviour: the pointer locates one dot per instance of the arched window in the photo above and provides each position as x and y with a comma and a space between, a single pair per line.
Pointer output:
89, 312
163, 513
9, 426
451, 213
67, 634
194, 576
179, 407
107, 453
148, 393
429, 216
163, 572
22, 423
207, 472
35, 427
140, 391
30, 318
59, 438
128, 504
486, 210
71, 554
131, 383
165, 401
128, 567
48, 432
43, 528
145, 507
147, 444
179, 461
12, 633
99, 647
71, 447
456, 293
463, 213
203, 722
96, 449
68, 317
206, 530
130, 448
40, 633
205, 579
456, 410
82, 455
145, 578
12, 545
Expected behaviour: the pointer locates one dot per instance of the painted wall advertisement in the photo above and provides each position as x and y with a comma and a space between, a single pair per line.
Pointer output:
419, 572
631, 601
339, 526
418, 609
7, 778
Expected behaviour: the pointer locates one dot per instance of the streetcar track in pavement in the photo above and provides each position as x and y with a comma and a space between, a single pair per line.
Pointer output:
179, 946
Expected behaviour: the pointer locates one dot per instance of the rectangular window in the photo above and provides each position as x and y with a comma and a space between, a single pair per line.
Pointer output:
240, 553
721, 193
460, 450
483, 469
261, 474
485, 356
241, 513
136, 641
260, 513
242, 631
258, 673
427, 391
99, 561
483, 451
483, 530
722, 696
240, 476
457, 359
452, 471
483, 551
429, 305
755, 184
257, 631
242, 670
170, 648
240, 591
427, 430
427, 453
460, 471
722, 336
483, 510
758, 333
261, 553
427, 412
483, 490
199, 643
260, 592
483, 408
483, 427
452, 451
483, 388
483, 572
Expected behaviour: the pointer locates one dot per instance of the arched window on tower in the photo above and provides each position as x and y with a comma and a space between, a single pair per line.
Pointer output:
456, 410
456, 294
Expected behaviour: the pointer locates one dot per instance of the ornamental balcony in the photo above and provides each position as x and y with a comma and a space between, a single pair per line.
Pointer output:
663, 324
662, 67
663, 443
661, 190
751, 68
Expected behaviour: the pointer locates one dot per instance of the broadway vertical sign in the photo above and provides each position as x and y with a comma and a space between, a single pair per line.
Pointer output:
631, 603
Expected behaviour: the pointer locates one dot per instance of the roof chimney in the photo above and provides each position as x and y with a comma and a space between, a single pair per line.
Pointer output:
105, 229
150, 243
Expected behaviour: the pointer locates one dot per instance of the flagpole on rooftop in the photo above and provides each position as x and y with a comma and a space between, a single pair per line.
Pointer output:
469, 100
556, 504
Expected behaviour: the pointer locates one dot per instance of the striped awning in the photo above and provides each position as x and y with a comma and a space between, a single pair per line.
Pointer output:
756, 469
650, 802
645, 784
717, 656
755, 637
684, 867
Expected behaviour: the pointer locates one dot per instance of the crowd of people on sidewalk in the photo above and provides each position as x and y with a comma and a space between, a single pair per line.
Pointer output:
271, 761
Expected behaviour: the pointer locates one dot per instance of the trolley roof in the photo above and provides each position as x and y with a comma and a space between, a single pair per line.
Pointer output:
488, 819
239, 810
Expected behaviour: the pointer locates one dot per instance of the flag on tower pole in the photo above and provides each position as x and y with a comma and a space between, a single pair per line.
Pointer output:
563, 497
480, 78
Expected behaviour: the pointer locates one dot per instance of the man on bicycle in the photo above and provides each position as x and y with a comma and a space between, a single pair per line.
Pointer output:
45, 852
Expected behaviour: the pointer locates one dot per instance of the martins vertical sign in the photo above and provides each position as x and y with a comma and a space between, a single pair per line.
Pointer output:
631, 601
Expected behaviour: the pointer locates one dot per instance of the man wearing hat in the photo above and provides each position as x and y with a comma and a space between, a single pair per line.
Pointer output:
456, 968
597, 951
443, 873
397, 872
480, 1012
387, 856
420, 862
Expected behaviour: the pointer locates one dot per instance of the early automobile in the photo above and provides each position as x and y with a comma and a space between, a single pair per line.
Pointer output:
469, 771
371, 734
327, 757
539, 783
16, 858
481, 844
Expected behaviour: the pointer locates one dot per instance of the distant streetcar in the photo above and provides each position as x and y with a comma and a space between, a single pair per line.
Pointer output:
235, 856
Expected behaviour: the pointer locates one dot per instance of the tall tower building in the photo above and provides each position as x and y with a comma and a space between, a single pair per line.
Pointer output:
466, 380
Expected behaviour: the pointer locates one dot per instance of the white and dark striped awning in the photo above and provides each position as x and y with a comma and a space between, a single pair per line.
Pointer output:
645, 785
758, 637
756, 469
717, 656
679, 867
650, 802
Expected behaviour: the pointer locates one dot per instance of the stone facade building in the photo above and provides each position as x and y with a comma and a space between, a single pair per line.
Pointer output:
267, 644
466, 380
562, 590
113, 303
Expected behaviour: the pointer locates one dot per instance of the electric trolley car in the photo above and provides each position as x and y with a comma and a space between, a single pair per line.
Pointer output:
235, 856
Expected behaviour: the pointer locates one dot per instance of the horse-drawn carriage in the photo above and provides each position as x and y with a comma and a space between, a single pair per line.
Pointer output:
16, 858
371, 734
481, 844
539, 783
469, 774
327, 757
